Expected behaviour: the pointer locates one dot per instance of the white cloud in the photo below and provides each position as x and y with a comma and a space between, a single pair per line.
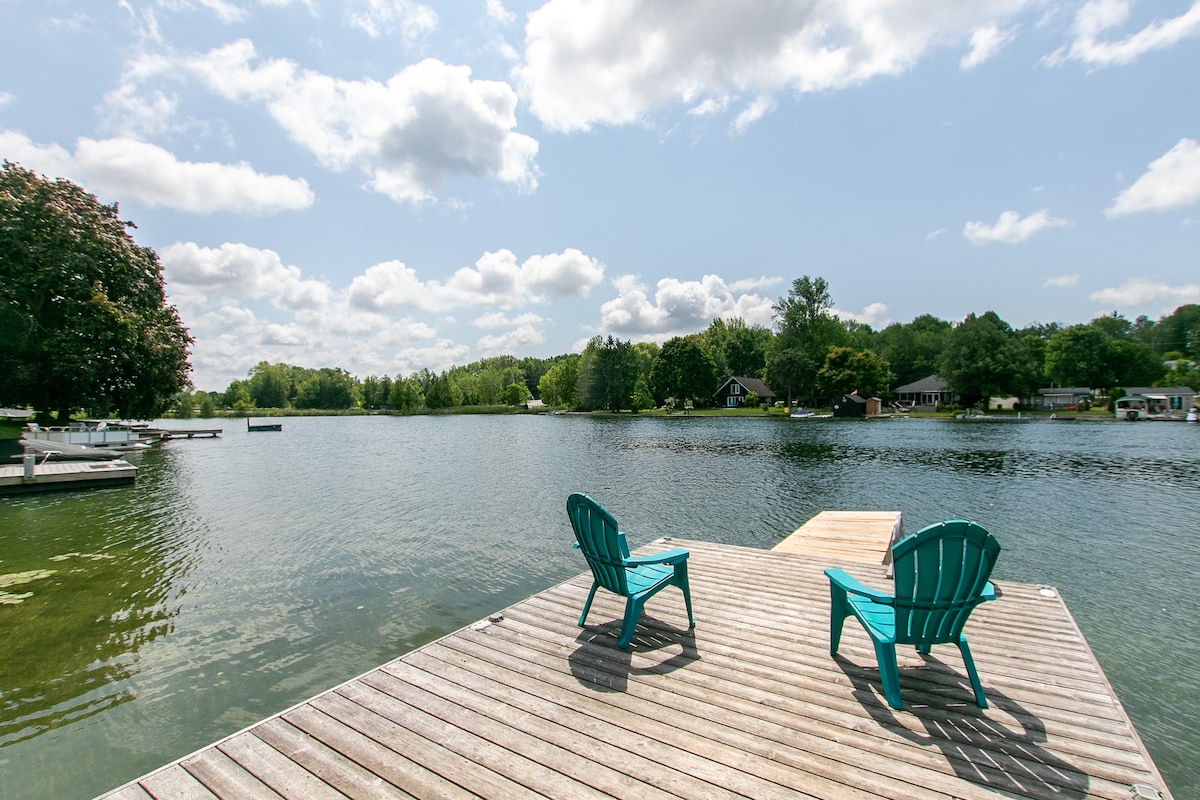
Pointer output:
934, 234
134, 170
380, 17
5, 99
987, 41
1172, 181
496, 11
1140, 292
201, 275
496, 281
615, 63
1011, 228
1098, 17
1062, 281
512, 342
426, 124
678, 307
499, 320
873, 314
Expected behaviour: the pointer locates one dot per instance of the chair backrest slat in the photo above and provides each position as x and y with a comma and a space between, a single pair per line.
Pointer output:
940, 573
599, 539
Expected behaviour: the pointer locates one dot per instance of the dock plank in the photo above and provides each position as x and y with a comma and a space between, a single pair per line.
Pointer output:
747, 704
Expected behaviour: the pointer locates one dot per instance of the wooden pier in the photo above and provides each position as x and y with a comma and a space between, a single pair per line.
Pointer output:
182, 433
55, 475
748, 704
854, 535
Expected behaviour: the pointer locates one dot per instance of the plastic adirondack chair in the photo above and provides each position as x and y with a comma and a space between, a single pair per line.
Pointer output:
636, 578
941, 574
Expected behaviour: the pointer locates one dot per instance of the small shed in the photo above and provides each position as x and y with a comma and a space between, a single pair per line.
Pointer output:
732, 393
855, 405
1060, 397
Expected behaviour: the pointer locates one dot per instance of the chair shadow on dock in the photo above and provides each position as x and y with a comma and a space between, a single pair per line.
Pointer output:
600, 665
979, 747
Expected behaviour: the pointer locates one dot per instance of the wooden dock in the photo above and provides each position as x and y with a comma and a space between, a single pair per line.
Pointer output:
183, 433
749, 704
56, 475
852, 535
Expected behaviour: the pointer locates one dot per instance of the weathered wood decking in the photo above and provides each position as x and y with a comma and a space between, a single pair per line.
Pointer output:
852, 535
54, 475
749, 704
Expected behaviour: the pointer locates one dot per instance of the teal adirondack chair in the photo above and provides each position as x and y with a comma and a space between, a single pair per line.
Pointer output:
941, 574
636, 579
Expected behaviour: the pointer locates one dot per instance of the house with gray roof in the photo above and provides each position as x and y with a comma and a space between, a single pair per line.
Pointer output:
927, 394
732, 393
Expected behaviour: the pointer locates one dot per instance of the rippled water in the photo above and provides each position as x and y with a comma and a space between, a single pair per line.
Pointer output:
244, 574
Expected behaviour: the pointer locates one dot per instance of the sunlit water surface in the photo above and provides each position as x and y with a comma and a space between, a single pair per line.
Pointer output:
243, 574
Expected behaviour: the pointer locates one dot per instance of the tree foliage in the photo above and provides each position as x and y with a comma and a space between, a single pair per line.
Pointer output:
984, 358
847, 370
84, 322
684, 370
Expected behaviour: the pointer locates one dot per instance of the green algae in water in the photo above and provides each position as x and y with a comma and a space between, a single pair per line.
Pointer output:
18, 578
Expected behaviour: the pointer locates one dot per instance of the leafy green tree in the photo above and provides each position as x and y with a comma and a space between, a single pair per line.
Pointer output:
608, 371
333, 389
912, 350
185, 406
270, 385
806, 330
491, 386
984, 358
846, 370
84, 321
557, 385
406, 396
1137, 364
205, 407
1180, 330
1081, 355
642, 398
515, 394
683, 370
236, 396
443, 393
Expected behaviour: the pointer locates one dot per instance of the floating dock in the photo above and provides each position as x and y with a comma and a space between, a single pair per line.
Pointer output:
865, 536
55, 475
748, 704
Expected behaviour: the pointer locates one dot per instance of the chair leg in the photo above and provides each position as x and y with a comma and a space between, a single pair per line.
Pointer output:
889, 673
839, 609
588, 605
971, 673
633, 612
681, 580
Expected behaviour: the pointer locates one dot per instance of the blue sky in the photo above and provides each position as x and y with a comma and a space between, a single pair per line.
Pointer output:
387, 185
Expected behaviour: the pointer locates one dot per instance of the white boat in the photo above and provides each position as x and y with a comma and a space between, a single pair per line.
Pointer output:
1143, 406
114, 436
65, 451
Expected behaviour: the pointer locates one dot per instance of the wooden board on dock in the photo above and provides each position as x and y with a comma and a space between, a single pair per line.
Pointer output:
54, 475
748, 704
852, 535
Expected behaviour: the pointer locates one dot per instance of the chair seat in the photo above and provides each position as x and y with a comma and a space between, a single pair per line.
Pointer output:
878, 619
648, 578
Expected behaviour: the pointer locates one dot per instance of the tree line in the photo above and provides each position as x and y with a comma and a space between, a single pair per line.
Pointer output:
84, 325
810, 355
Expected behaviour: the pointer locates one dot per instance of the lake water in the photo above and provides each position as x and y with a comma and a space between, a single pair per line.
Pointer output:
242, 575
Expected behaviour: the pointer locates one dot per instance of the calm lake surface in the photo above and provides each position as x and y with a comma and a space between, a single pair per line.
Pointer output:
242, 575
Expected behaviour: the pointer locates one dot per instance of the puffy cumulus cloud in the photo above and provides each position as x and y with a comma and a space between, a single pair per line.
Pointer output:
1172, 181
424, 125
615, 63
1062, 281
499, 320
678, 307
512, 342
873, 314
1143, 292
986, 42
1097, 18
1011, 227
496, 11
198, 275
381, 17
148, 174
496, 281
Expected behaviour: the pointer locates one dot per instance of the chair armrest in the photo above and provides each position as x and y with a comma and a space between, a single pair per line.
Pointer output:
673, 556
989, 591
575, 545
846, 582
622, 545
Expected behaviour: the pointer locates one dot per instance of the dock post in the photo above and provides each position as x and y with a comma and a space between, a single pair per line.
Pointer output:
29, 462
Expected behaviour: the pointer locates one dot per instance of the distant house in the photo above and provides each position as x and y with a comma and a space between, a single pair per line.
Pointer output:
855, 405
732, 393
1059, 397
1165, 399
927, 394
